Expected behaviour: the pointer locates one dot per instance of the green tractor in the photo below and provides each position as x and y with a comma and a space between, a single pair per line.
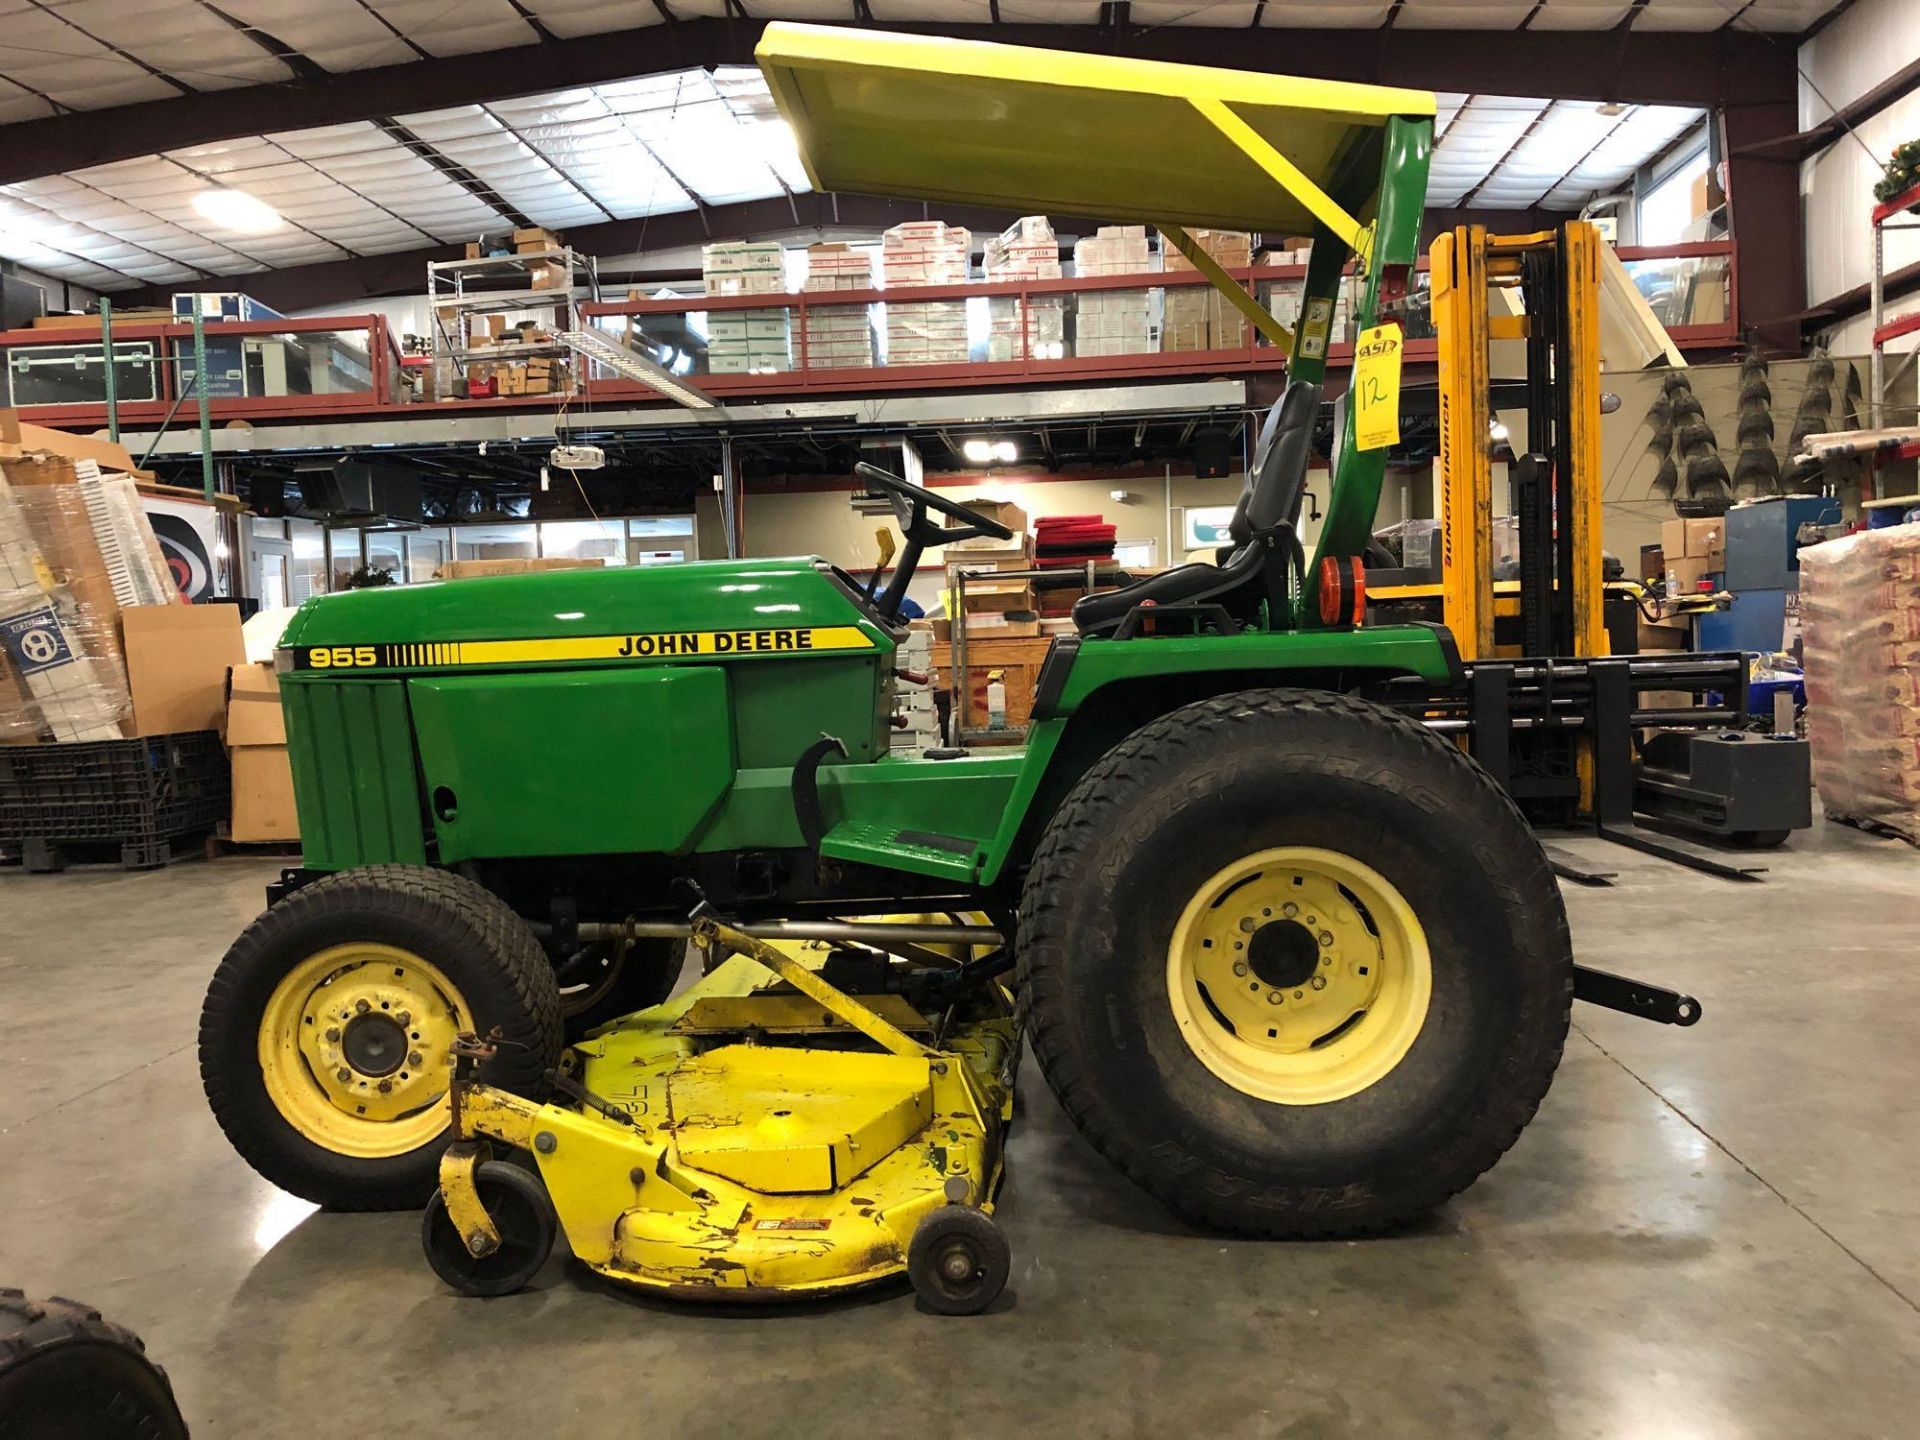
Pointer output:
1288, 959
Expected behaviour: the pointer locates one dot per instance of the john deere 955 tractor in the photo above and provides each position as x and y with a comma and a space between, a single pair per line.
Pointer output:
1288, 959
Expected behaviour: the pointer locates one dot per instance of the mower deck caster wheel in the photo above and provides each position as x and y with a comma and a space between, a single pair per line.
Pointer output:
521, 1211
958, 1260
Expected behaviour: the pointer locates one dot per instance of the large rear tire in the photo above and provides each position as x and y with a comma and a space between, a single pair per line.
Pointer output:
325, 1039
1294, 964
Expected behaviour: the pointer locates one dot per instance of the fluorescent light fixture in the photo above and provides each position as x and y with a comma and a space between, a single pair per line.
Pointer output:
623, 359
984, 452
237, 210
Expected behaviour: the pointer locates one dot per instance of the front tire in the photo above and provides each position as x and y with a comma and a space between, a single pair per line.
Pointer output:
1294, 964
326, 1036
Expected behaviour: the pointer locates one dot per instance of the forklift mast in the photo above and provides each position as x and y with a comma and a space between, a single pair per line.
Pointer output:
1543, 291
1551, 712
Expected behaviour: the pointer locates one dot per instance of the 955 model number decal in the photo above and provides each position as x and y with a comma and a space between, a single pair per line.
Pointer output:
648, 645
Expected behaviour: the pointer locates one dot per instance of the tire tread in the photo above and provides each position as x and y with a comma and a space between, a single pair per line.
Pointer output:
1195, 1190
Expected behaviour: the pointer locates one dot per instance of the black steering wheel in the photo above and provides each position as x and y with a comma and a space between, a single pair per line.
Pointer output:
910, 503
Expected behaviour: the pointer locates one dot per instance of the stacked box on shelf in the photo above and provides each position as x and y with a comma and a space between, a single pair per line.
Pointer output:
1198, 317
838, 335
1113, 322
1027, 250
740, 342
926, 252
1002, 608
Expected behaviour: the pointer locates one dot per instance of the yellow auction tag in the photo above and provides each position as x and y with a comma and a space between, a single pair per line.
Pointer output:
1376, 387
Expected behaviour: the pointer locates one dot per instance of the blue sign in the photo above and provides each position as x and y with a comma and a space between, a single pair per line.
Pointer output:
35, 641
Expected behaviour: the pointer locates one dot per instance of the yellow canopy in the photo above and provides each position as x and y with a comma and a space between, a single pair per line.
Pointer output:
1022, 129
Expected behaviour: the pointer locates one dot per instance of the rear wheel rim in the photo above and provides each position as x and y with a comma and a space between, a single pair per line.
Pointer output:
1299, 975
356, 1049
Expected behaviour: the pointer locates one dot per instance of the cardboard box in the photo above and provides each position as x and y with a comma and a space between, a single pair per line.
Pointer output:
263, 806
1695, 540
1664, 634
472, 569
999, 595
533, 239
177, 662
17, 437
1004, 511
998, 625
121, 316
1652, 564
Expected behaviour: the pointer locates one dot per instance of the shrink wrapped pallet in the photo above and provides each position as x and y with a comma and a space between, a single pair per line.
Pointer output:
926, 252
837, 336
1860, 609
746, 341
1113, 322
1019, 329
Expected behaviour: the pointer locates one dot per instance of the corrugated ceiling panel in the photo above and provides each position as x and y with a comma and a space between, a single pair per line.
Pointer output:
464, 29
335, 37
1327, 15
1685, 15
1462, 14
965, 12
326, 142
1187, 12
1563, 136
1788, 17
188, 42
1580, 15
569, 18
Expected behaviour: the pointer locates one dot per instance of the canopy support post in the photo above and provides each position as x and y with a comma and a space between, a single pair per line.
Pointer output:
1287, 175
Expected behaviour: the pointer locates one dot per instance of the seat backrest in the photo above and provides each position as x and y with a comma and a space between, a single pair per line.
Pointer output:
1274, 486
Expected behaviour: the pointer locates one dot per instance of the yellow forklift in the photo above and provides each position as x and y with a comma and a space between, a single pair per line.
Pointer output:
1557, 704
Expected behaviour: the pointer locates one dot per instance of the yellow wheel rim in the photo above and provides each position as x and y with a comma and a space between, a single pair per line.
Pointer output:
356, 1048
1299, 975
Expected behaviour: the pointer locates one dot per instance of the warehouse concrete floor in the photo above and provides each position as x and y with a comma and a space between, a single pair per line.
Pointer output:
1706, 1232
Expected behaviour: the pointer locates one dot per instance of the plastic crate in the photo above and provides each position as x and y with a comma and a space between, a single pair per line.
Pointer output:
140, 794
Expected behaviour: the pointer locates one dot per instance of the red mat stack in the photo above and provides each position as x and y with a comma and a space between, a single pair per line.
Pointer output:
1065, 542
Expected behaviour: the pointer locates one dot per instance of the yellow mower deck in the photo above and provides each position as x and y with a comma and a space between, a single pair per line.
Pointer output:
777, 1141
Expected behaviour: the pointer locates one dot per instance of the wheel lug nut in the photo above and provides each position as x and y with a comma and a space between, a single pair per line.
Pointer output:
1319, 982
413, 1058
1326, 938
333, 1032
403, 1019
386, 1087
345, 1074
361, 1007
1240, 967
1247, 924
1289, 909
1274, 997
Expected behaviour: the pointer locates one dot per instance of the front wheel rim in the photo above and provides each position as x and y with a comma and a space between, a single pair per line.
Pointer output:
1299, 975
356, 1049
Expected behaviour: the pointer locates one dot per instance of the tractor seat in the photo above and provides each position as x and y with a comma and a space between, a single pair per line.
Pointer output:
1182, 585
1258, 566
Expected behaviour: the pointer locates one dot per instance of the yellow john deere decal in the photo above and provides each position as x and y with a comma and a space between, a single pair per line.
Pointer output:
658, 645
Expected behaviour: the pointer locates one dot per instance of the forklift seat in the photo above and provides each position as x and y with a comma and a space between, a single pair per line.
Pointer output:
1258, 565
